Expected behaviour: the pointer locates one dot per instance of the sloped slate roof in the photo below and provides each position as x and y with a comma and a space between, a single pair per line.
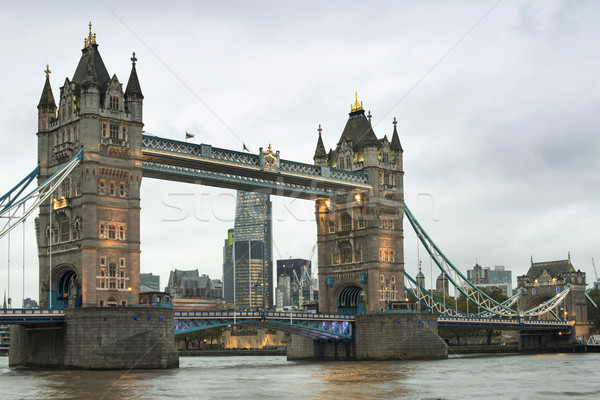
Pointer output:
554, 268
47, 98
358, 129
91, 54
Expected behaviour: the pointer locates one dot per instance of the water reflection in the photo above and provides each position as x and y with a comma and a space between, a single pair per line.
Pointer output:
373, 380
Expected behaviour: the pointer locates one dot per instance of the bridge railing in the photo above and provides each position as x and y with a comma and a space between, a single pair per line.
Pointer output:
208, 152
30, 311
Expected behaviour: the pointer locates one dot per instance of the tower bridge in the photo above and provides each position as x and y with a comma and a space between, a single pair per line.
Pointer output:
93, 156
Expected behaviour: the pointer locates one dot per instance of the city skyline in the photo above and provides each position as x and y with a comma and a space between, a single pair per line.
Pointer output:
495, 104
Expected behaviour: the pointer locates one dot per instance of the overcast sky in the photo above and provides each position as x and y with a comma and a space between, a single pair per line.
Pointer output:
497, 108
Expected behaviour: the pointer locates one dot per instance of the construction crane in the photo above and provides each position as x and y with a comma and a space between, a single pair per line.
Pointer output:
299, 286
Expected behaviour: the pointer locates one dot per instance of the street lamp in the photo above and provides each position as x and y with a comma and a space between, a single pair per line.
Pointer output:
129, 296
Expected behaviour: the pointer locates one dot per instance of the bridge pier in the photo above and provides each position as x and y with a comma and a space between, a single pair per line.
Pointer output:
531, 341
98, 338
402, 336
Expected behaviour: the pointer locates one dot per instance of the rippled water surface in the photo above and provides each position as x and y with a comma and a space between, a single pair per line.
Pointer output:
555, 376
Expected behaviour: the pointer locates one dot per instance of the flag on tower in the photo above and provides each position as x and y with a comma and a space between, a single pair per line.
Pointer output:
188, 135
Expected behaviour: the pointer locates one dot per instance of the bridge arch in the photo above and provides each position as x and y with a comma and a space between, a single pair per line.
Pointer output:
351, 300
66, 290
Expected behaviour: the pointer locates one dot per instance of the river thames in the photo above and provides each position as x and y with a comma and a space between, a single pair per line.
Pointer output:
547, 376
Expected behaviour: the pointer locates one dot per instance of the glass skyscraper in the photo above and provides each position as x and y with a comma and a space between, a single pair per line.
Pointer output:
252, 249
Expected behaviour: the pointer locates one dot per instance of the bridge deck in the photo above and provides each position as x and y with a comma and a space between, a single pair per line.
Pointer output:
193, 163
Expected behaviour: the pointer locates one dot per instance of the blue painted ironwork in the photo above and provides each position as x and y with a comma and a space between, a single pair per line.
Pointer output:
316, 326
175, 160
10, 212
502, 323
30, 315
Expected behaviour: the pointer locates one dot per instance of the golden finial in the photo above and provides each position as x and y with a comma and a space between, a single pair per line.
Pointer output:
47, 71
91, 39
269, 150
356, 106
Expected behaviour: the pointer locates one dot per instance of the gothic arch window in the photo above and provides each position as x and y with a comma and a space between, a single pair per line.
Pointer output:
341, 162
346, 223
102, 186
121, 232
331, 226
104, 131
111, 188
102, 231
349, 162
122, 189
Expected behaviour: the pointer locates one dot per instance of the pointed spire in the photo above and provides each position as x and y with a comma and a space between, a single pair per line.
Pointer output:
47, 98
395, 144
320, 153
133, 85
91, 39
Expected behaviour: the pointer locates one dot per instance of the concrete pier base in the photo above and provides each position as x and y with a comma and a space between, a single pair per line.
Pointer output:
98, 338
402, 336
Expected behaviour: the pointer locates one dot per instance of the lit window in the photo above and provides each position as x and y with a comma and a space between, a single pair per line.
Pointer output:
336, 258
102, 231
104, 132
124, 132
112, 231
346, 255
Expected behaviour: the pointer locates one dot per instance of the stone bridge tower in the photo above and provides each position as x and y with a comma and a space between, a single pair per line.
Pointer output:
360, 235
544, 280
89, 245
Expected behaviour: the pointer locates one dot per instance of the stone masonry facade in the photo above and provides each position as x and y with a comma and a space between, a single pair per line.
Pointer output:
90, 229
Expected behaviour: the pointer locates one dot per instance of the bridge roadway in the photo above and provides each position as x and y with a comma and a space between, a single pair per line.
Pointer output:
315, 326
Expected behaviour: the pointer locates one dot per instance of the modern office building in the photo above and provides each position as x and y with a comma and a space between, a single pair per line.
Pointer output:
228, 268
485, 277
252, 251
300, 274
151, 281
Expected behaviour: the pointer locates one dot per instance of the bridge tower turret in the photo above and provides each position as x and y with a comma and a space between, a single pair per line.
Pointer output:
89, 247
360, 235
